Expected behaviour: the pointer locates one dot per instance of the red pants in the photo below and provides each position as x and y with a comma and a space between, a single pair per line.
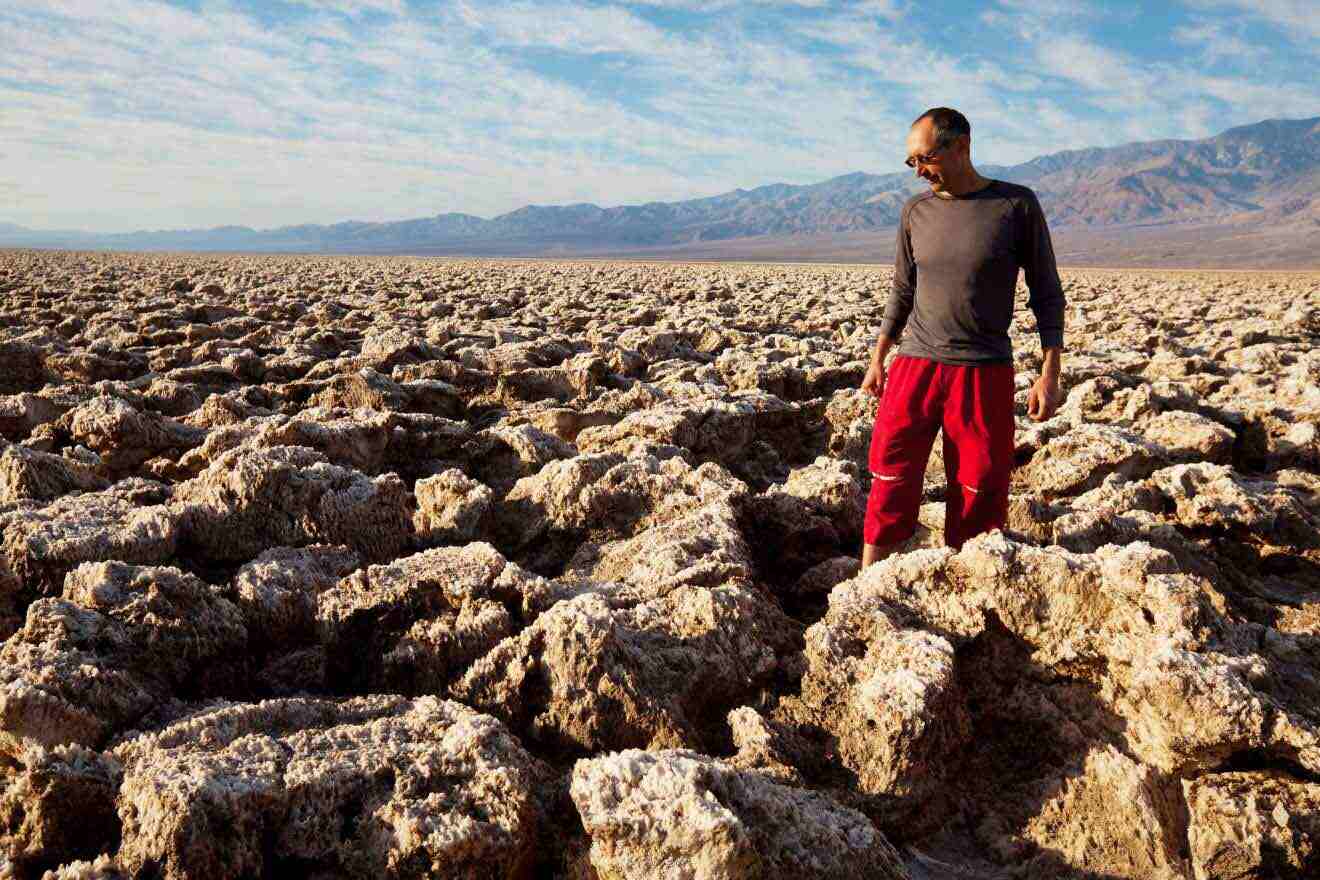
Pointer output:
974, 406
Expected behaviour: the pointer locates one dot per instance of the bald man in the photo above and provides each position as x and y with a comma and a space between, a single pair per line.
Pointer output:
960, 247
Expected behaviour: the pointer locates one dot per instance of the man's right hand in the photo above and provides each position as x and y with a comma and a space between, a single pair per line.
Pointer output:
873, 383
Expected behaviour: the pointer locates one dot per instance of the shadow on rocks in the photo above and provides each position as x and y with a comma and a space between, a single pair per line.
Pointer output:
1041, 756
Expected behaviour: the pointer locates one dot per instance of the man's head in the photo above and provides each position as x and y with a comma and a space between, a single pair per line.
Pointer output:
939, 147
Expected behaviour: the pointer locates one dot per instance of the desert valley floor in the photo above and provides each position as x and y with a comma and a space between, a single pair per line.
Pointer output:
389, 567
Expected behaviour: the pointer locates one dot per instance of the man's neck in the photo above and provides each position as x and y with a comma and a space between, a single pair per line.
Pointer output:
966, 185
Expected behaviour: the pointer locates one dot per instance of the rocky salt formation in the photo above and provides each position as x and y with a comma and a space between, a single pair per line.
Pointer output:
120, 439
1249, 824
367, 440
450, 508
42, 544
677, 814
28, 475
376, 786
750, 433
590, 675
413, 625
1081, 458
119, 641
815, 515
572, 509
57, 804
277, 592
250, 500
618, 506
100, 868
277, 595
1137, 678
20, 413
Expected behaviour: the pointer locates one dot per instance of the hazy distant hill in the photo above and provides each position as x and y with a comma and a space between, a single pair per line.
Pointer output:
1262, 174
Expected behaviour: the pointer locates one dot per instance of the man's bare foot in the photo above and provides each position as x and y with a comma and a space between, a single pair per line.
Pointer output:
872, 553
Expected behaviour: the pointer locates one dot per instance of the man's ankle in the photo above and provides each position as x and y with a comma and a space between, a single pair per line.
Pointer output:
873, 553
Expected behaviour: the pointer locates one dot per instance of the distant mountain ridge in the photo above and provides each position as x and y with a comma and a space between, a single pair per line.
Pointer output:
1268, 172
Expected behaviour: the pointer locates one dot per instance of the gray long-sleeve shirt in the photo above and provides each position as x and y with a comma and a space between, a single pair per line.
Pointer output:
956, 271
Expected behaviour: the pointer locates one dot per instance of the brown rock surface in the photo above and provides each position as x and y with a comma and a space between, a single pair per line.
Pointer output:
450, 508
588, 676
375, 786
22, 367
416, 623
702, 547
21, 413
58, 804
121, 438
570, 510
370, 441
250, 500
674, 815
1253, 824
120, 640
26, 474
1081, 458
277, 592
42, 544
101, 868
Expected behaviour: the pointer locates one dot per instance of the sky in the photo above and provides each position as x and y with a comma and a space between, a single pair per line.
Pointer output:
118, 115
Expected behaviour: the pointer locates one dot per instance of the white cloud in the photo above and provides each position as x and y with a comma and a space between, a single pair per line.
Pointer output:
1296, 19
722, 5
204, 122
1089, 64
882, 8
569, 27
137, 113
1141, 100
1218, 41
354, 8
1051, 9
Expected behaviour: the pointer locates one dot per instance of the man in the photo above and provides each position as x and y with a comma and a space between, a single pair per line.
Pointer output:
960, 246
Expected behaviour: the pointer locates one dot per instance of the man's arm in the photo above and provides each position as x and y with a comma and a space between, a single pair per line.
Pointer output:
905, 283
1036, 253
896, 310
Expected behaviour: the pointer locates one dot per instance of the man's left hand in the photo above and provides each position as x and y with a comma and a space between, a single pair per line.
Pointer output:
1043, 399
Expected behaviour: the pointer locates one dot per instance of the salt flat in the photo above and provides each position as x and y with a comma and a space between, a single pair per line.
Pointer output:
402, 567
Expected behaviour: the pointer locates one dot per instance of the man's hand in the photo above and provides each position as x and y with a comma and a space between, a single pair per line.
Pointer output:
873, 383
1043, 398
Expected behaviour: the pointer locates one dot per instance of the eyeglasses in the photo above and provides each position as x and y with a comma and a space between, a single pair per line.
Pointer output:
911, 161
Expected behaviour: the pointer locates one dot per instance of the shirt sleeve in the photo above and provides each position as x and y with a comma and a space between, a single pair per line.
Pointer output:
1036, 255
905, 283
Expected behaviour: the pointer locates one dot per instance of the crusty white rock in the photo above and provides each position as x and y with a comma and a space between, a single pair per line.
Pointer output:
250, 500
1253, 824
674, 815
120, 640
589, 676
375, 786
42, 544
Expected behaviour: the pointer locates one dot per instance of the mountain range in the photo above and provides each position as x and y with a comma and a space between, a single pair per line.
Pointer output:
1251, 181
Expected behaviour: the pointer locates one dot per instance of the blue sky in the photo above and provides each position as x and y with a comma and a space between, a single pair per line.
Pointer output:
132, 114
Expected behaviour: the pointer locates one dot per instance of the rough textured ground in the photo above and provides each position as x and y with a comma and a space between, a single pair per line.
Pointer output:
384, 567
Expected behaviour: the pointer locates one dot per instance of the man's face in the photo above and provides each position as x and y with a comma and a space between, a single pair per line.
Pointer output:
922, 145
